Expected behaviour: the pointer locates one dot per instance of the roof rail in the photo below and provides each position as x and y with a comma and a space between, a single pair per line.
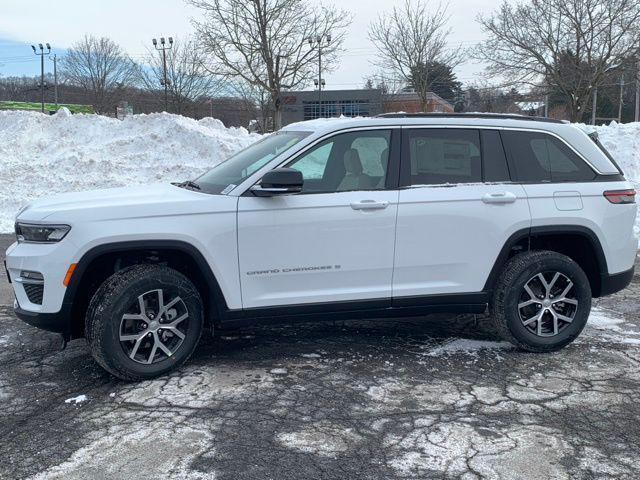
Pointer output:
503, 116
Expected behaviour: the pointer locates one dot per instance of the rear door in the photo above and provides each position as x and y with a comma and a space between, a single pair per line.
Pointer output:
333, 242
456, 209
556, 179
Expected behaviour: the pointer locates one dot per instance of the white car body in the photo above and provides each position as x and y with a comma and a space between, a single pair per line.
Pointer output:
391, 247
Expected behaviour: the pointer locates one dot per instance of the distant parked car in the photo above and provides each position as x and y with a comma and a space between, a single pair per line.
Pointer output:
391, 216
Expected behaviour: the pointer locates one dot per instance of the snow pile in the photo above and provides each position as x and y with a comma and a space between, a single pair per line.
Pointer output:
623, 143
41, 155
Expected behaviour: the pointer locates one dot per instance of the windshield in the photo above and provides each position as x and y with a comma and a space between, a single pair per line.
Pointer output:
232, 172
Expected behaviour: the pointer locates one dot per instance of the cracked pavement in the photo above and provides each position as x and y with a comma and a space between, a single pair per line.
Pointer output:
434, 397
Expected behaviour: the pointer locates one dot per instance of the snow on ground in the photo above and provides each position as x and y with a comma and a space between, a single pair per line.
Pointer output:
41, 155
469, 346
78, 399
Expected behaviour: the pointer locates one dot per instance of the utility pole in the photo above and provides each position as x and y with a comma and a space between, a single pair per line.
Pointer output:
546, 105
55, 78
42, 54
621, 97
165, 82
313, 42
594, 107
637, 115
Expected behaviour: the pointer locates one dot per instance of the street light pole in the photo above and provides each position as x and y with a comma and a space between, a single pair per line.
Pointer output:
313, 42
637, 115
621, 97
595, 103
42, 54
163, 47
55, 78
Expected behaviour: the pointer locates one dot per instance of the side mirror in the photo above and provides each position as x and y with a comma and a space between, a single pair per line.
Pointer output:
280, 181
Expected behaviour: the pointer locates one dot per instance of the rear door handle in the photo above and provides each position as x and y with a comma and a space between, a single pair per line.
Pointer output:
501, 197
369, 205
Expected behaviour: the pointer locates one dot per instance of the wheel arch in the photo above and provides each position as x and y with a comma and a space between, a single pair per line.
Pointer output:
579, 243
100, 262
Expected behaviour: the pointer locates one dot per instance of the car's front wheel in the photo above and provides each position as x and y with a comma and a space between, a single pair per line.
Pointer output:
541, 301
144, 321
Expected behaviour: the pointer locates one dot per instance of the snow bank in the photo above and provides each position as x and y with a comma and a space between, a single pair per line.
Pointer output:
623, 142
41, 155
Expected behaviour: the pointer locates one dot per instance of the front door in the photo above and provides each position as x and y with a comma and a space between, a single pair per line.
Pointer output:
333, 242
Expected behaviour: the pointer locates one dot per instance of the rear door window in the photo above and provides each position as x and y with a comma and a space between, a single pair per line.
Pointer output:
494, 160
434, 156
540, 157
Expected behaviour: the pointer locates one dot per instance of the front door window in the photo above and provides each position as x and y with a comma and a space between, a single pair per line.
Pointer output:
346, 162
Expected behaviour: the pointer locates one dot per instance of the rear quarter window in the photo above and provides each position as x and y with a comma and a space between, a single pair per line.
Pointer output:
540, 157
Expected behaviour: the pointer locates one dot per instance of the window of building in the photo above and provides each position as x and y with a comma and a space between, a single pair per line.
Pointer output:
330, 109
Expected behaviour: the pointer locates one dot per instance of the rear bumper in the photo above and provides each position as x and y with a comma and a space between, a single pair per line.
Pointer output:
614, 283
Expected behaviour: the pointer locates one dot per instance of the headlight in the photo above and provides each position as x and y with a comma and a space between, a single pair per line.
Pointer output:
41, 233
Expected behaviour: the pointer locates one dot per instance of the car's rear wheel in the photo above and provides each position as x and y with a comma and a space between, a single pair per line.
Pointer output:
541, 301
144, 321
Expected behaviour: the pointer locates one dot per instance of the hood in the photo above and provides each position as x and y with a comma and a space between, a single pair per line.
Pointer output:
121, 203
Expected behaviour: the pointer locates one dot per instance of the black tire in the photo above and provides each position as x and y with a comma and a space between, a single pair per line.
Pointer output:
509, 293
118, 297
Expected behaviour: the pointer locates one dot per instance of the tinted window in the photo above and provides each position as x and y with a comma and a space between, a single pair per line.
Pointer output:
494, 160
439, 156
539, 157
346, 162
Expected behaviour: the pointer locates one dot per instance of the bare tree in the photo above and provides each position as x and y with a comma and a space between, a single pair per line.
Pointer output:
101, 68
410, 40
571, 46
188, 77
259, 99
265, 42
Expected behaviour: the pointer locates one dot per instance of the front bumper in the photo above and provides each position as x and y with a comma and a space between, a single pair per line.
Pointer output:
49, 260
52, 322
52, 261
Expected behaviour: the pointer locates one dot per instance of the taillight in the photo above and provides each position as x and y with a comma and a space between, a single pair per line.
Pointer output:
621, 196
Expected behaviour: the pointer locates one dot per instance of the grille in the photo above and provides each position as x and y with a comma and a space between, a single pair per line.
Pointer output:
34, 292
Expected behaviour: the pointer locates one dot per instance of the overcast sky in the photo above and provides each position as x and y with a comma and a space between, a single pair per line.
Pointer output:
132, 23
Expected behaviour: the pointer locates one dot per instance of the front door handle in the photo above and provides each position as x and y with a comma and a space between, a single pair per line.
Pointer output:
501, 197
369, 205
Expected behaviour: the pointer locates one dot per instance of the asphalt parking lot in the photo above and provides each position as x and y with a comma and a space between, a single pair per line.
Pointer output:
436, 397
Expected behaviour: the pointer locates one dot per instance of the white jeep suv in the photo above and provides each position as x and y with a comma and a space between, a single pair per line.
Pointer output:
398, 215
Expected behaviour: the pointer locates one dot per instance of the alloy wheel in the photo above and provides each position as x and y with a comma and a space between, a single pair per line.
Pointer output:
153, 330
547, 304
